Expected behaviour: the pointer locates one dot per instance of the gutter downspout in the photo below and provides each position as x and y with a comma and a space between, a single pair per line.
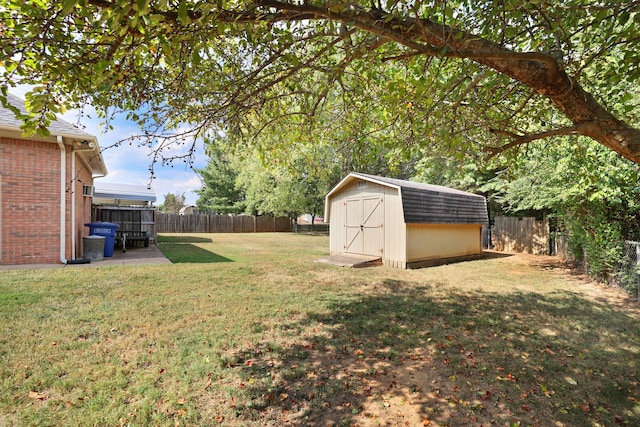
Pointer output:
63, 198
73, 204
90, 147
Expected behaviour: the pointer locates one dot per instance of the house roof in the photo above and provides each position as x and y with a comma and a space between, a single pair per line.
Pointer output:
426, 203
122, 194
77, 137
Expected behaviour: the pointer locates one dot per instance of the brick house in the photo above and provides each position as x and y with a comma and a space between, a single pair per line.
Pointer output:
45, 184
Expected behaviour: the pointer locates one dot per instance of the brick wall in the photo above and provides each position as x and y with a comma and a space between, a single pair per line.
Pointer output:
30, 180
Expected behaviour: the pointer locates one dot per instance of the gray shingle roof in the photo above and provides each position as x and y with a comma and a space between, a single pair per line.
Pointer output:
57, 128
435, 204
8, 120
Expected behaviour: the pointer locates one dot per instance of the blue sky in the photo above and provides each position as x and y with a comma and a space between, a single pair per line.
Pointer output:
129, 164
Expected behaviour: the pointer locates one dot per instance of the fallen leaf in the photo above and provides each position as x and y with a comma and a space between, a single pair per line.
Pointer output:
37, 396
570, 380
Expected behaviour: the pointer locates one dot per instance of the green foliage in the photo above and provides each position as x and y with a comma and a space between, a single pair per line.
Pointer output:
172, 203
289, 173
353, 72
219, 193
596, 239
591, 190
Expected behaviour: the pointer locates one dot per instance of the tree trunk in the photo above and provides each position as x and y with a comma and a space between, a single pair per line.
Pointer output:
542, 73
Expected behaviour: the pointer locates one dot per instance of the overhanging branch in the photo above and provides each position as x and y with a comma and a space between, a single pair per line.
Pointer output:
519, 139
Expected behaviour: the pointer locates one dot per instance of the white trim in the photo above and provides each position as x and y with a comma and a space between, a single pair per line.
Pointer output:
89, 147
63, 200
352, 176
1, 211
72, 189
88, 190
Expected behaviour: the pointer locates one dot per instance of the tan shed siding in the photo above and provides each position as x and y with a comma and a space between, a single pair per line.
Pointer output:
393, 226
432, 241
337, 218
339, 203
394, 264
394, 229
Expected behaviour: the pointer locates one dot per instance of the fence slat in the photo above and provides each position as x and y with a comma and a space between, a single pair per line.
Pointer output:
526, 235
202, 223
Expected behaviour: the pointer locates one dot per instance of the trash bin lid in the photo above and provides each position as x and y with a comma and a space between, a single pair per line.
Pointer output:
102, 224
94, 236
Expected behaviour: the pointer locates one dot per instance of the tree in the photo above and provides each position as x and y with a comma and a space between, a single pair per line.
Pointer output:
289, 189
172, 203
592, 191
491, 70
220, 193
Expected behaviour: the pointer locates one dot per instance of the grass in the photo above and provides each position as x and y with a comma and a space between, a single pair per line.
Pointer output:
269, 337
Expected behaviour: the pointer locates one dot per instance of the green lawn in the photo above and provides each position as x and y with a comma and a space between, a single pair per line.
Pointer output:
247, 330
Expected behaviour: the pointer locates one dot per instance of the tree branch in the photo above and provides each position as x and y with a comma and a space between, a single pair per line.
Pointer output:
518, 140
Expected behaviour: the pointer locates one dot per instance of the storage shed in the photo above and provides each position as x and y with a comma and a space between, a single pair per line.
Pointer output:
407, 224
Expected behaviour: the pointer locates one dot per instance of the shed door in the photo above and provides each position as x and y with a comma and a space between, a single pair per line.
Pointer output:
364, 225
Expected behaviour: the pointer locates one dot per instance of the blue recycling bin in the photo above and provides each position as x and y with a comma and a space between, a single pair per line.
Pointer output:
106, 229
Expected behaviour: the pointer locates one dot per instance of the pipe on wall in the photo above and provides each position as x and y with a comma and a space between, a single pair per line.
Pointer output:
63, 198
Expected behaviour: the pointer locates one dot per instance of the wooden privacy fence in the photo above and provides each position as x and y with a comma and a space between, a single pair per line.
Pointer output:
526, 235
202, 223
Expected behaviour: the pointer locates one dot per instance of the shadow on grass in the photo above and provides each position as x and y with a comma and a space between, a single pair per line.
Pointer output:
184, 253
494, 255
402, 355
183, 239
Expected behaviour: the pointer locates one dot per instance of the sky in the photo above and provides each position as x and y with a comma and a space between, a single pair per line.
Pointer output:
129, 164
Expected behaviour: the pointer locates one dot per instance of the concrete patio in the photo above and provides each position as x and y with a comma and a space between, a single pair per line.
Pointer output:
134, 256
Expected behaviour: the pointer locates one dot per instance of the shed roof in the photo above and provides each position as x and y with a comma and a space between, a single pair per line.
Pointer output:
122, 194
59, 127
427, 203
